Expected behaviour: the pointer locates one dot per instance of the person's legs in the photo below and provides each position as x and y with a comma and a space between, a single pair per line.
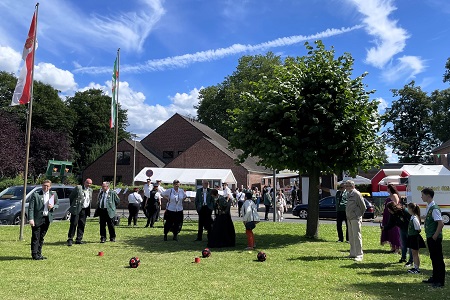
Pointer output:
404, 238
43, 232
81, 224
266, 217
111, 228
358, 238
72, 227
339, 220
351, 237
240, 203
103, 215
35, 234
130, 213
437, 259
250, 238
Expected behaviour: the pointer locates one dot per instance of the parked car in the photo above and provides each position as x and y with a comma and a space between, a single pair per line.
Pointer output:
327, 209
11, 202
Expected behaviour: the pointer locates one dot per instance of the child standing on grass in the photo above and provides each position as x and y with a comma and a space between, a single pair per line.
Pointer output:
281, 203
250, 217
415, 240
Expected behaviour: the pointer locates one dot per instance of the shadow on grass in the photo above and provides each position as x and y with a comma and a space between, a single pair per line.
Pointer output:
155, 243
316, 258
6, 258
399, 290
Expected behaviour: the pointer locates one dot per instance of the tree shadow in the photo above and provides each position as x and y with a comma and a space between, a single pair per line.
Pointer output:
364, 265
317, 258
399, 290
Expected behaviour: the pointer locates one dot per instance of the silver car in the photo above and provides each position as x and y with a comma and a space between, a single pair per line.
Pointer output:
11, 202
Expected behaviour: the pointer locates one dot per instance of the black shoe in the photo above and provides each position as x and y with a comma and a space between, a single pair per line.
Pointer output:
80, 242
438, 285
146, 226
112, 240
102, 240
165, 237
197, 240
37, 258
42, 257
175, 237
402, 260
69, 243
429, 280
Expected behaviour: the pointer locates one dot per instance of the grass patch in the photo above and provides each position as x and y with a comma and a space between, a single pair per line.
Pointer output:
296, 268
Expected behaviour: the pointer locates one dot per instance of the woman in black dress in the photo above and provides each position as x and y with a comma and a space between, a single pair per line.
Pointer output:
222, 231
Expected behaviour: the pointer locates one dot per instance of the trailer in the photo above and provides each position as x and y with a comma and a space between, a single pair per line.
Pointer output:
441, 187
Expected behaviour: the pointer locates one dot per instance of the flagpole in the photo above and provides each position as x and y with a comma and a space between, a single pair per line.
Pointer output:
116, 104
30, 113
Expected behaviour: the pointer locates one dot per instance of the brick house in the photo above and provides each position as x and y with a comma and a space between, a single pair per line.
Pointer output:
441, 154
180, 142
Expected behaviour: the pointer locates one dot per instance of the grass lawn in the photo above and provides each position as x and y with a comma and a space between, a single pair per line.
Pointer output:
296, 268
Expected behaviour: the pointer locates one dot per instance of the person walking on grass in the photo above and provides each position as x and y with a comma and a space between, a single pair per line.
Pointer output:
108, 200
250, 217
80, 209
355, 210
415, 240
433, 231
173, 215
134, 203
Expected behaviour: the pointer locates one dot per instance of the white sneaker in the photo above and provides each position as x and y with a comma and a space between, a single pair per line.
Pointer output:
358, 258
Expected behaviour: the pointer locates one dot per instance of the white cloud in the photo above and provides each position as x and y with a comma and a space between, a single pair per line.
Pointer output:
392, 157
144, 118
185, 60
9, 59
405, 66
390, 39
61, 80
235, 9
382, 105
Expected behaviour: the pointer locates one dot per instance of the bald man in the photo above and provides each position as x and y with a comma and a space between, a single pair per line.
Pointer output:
80, 208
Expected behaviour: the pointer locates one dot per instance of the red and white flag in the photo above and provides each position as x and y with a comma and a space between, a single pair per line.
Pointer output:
22, 93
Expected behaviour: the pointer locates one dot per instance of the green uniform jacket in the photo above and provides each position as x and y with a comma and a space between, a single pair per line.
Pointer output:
112, 201
199, 199
36, 207
77, 199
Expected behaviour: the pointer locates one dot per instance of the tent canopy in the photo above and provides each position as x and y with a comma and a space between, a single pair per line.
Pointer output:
186, 176
358, 179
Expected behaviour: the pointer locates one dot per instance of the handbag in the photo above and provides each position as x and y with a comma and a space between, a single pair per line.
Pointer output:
250, 225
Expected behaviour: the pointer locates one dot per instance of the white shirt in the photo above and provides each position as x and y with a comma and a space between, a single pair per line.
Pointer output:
240, 196
134, 198
415, 222
103, 198
87, 199
161, 189
175, 199
205, 194
46, 196
436, 214
226, 192
147, 189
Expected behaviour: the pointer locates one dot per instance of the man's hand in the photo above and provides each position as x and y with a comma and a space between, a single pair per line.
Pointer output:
31, 223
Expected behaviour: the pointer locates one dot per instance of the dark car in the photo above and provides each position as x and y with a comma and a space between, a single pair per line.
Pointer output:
327, 209
11, 202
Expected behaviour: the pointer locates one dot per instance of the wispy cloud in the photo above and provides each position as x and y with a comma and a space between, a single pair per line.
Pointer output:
390, 39
405, 67
182, 61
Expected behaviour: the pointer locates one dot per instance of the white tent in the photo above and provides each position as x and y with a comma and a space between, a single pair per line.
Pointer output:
185, 176
358, 179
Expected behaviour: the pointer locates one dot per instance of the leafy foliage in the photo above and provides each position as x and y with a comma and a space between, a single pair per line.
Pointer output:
440, 106
215, 100
411, 117
310, 116
12, 154
447, 71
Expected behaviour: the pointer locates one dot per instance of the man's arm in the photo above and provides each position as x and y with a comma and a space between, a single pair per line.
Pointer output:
31, 210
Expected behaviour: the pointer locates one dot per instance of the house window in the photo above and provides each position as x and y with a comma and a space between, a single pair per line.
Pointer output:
167, 154
111, 178
123, 157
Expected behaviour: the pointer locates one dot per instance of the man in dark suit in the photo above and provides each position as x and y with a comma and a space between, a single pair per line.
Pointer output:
40, 215
204, 204
80, 208
107, 202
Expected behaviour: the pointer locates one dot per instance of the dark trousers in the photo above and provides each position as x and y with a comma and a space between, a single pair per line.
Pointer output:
143, 206
341, 217
204, 221
153, 215
404, 239
37, 238
240, 203
106, 220
133, 211
173, 222
77, 223
266, 217
437, 259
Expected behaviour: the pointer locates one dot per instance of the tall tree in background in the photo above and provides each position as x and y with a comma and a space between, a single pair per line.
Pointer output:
410, 117
440, 114
92, 110
12, 152
447, 71
216, 100
310, 116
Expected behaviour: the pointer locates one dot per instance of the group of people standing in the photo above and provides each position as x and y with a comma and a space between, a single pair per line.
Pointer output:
401, 228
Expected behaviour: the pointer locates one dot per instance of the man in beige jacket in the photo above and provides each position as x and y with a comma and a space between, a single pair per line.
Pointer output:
355, 210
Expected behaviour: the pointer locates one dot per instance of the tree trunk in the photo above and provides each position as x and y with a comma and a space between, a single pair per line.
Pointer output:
312, 223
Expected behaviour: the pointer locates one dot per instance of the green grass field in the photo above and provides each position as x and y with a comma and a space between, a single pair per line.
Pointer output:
296, 268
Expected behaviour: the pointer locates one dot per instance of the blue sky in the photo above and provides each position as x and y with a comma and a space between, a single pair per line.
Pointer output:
171, 49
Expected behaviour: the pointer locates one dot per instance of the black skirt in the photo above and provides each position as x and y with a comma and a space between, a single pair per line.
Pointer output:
222, 232
415, 242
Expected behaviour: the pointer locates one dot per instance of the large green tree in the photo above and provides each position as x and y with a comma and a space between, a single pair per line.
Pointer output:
447, 71
214, 101
310, 116
91, 130
408, 122
440, 106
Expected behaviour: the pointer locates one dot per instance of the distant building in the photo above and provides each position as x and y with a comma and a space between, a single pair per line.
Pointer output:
180, 142
441, 154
